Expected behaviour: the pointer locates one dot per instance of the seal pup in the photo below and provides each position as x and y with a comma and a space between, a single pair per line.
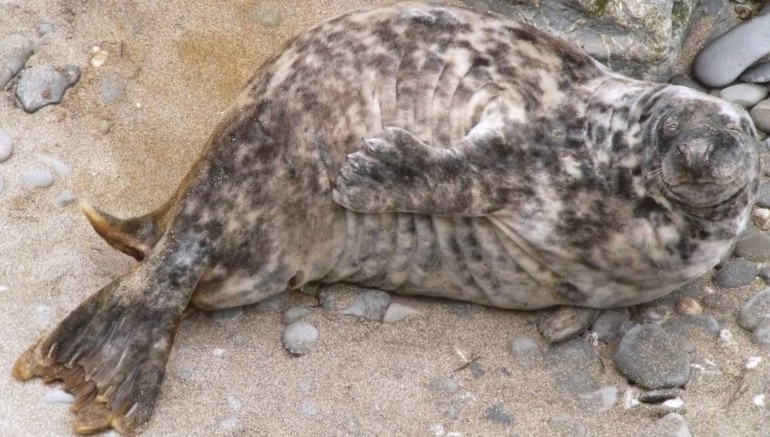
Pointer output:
499, 165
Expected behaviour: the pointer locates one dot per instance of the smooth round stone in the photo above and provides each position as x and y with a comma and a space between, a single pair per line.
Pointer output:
565, 323
369, 304
685, 81
6, 146
44, 85
15, 49
37, 178
755, 248
65, 198
759, 73
744, 94
575, 366
729, 55
566, 426
397, 313
686, 329
761, 334
735, 273
757, 308
525, 352
652, 358
444, 385
59, 167
58, 397
760, 115
763, 196
659, 396
497, 414
671, 425
299, 337
600, 400
294, 314
611, 325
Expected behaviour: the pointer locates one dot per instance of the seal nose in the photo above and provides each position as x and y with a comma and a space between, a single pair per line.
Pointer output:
695, 151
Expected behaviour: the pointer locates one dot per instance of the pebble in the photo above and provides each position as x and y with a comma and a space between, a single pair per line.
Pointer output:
15, 49
65, 198
758, 400
726, 57
226, 315
37, 178
658, 396
58, 397
6, 146
600, 400
688, 306
294, 314
611, 325
761, 334
525, 352
685, 81
44, 29
752, 362
99, 57
652, 358
757, 308
574, 365
745, 95
267, 16
755, 248
759, 73
672, 425
688, 330
566, 426
44, 85
397, 313
565, 323
735, 273
444, 385
496, 413
299, 337
355, 301
760, 114
760, 217
59, 167
229, 423
105, 126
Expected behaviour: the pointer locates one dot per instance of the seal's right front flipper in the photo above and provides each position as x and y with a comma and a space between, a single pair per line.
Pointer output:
111, 351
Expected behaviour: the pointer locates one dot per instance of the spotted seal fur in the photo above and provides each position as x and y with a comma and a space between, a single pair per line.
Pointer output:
499, 165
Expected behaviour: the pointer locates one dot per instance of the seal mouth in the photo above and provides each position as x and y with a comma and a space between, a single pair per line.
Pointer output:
706, 193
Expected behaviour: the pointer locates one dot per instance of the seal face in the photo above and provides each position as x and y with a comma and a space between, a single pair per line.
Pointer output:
499, 165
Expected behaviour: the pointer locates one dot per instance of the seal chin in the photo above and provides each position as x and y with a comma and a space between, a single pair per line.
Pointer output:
704, 194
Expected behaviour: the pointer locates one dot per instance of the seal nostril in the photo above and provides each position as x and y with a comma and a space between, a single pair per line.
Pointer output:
695, 151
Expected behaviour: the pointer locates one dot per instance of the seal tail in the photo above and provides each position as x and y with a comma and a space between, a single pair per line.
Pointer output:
134, 236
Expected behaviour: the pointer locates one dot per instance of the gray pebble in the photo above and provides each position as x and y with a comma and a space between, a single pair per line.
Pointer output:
58, 397
355, 301
611, 325
44, 29
672, 425
754, 248
59, 167
477, 370
574, 365
111, 87
759, 73
651, 358
525, 352
600, 400
744, 94
44, 85
565, 323
690, 329
226, 315
761, 334
721, 61
685, 81
658, 396
444, 385
229, 423
757, 308
6, 146
397, 312
763, 196
735, 273
299, 337
566, 426
496, 413
764, 273
760, 115
294, 314
37, 178
14, 51
65, 198
105, 126
721, 302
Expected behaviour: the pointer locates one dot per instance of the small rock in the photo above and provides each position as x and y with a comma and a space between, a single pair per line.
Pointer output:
99, 58
226, 315
703, 327
105, 126
721, 302
758, 400
611, 325
497, 414
565, 323
721, 62
65, 198
44, 85
58, 397
234, 403
355, 301
525, 352
672, 425
229, 423
574, 365
600, 400
763, 195
760, 114
59, 167
566, 426
759, 73
760, 217
757, 308
688, 306
735, 273
652, 358
761, 334
685, 81
44, 29
753, 362
397, 312
294, 314
659, 396
15, 49
6, 146
444, 385
299, 337
744, 94
267, 16
37, 178
653, 313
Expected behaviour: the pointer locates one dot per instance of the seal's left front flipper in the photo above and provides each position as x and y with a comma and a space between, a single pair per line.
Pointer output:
396, 172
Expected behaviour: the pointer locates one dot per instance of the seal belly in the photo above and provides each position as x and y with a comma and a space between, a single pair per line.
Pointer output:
461, 258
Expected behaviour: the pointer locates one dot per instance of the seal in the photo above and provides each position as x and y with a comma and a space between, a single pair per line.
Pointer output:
500, 165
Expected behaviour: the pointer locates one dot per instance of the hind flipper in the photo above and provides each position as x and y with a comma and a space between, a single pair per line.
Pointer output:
134, 236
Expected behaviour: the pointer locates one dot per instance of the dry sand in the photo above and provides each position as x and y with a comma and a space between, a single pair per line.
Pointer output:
182, 63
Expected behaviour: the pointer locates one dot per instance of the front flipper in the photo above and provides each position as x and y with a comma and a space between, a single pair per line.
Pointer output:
111, 351
396, 172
